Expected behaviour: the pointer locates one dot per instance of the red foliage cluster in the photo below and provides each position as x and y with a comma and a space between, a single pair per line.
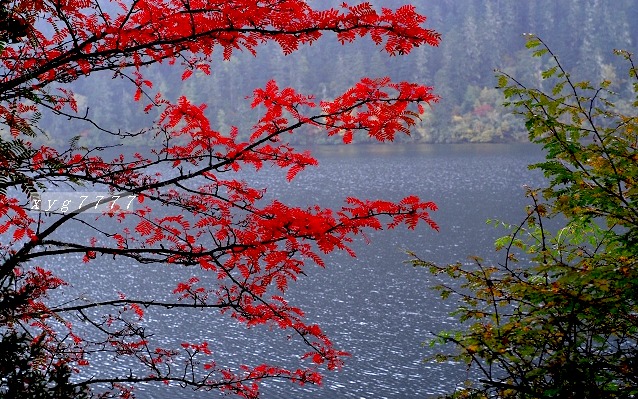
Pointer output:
215, 221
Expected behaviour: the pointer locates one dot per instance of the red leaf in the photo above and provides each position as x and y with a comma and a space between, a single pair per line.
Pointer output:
19, 233
145, 227
317, 358
138, 310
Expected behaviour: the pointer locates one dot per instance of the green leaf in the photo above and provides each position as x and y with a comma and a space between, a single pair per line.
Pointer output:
533, 42
558, 88
540, 53
549, 72
502, 81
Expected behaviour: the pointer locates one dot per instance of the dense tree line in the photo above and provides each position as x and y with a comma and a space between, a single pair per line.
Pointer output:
478, 36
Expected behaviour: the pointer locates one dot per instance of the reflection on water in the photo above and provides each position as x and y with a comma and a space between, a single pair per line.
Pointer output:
374, 306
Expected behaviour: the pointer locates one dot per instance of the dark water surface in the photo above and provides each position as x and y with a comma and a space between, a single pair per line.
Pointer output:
375, 306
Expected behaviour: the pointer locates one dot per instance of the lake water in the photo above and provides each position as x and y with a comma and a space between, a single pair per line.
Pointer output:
376, 307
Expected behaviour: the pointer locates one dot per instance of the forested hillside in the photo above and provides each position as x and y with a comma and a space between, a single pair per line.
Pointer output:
478, 36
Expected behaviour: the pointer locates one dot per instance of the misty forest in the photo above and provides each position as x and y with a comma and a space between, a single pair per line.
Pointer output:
477, 38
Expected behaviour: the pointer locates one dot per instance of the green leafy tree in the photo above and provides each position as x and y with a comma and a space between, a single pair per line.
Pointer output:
558, 317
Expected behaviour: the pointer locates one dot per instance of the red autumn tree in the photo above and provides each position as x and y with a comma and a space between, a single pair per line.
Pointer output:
199, 214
